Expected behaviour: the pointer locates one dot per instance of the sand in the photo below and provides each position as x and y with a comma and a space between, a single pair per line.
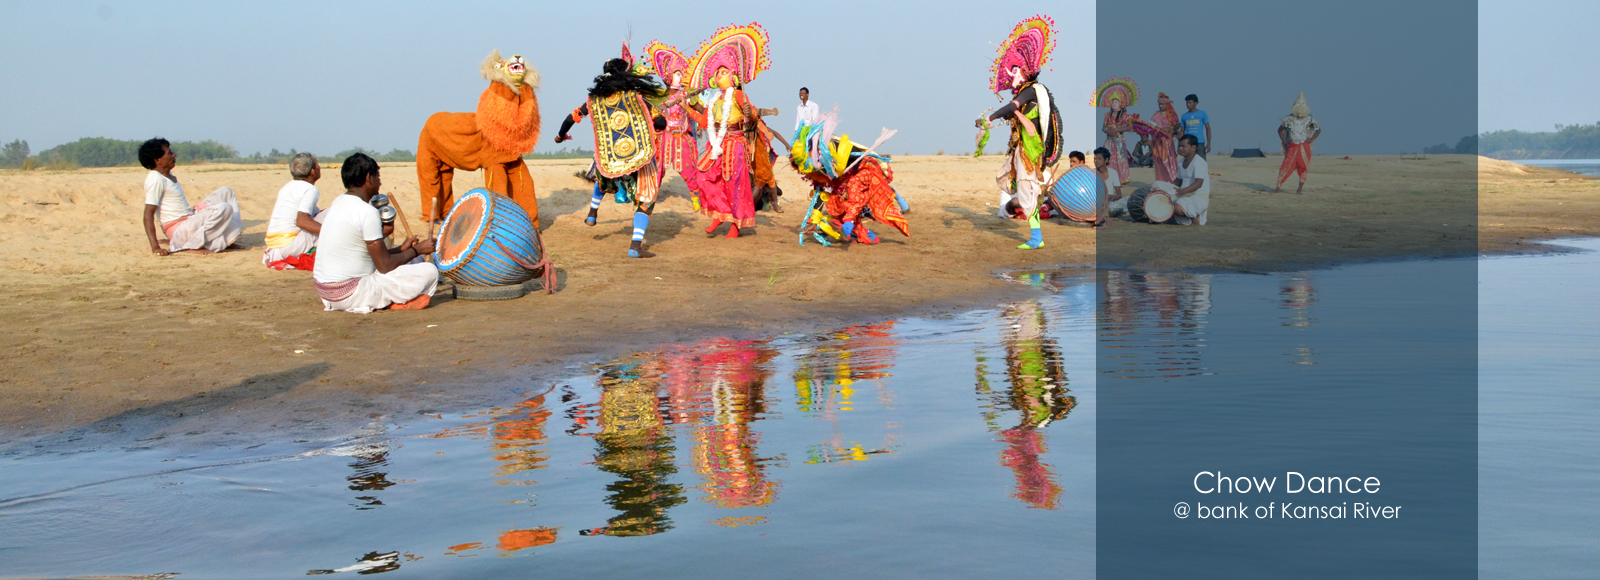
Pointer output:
102, 333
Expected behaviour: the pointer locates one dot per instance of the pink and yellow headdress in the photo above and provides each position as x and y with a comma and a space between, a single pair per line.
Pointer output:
665, 60
742, 49
1028, 47
1122, 90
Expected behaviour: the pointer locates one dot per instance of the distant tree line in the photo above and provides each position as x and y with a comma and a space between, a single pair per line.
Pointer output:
1566, 142
103, 152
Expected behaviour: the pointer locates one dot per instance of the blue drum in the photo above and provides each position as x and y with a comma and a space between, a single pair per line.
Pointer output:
1077, 194
488, 240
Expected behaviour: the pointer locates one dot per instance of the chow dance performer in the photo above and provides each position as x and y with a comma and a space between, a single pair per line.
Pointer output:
1163, 147
624, 142
849, 183
504, 128
676, 148
1035, 144
1117, 94
732, 57
212, 226
1298, 130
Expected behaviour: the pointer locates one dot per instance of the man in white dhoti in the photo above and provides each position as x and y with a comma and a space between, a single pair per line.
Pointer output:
212, 226
1192, 200
355, 270
292, 231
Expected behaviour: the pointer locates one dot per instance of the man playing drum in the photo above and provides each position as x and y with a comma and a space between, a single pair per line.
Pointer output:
355, 270
1192, 201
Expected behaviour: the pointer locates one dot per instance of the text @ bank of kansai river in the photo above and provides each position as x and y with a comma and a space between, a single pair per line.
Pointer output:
1320, 502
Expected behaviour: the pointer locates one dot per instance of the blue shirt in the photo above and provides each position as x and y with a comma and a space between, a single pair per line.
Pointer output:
1195, 124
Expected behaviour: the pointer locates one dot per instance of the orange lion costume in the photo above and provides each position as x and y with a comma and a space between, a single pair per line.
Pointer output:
494, 139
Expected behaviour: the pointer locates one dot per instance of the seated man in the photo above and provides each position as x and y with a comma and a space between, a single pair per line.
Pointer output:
1113, 203
292, 231
355, 270
1193, 198
1141, 156
212, 226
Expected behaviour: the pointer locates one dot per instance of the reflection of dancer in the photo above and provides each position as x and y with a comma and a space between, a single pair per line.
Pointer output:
1035, 144
733, 374
624, 142
1037, 391
632, 443
1298, 296
368, 460
519, 437
1117, 94
825, 378
1297, 132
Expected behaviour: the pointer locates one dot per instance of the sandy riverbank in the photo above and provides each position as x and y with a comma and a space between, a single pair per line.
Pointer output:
100, 330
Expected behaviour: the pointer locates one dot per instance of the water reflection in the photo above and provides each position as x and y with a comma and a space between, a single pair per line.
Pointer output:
367, 477
1036, 392
1153, 324
1298, 296
727, 379
633, 445
825, 379
371, 563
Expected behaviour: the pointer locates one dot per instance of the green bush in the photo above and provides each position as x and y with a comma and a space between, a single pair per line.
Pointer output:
14, 154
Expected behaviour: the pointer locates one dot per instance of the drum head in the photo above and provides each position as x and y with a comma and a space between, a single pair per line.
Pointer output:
1158, 207
462, 229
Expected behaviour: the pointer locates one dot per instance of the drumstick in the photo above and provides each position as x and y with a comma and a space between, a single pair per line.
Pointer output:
401, 215
433, 214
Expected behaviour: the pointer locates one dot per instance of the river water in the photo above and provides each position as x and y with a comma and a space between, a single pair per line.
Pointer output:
961, 446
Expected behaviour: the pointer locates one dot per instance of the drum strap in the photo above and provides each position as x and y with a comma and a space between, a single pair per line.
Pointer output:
545, 265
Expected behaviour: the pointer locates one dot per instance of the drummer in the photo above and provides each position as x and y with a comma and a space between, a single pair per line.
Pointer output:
1193, 198
355, 270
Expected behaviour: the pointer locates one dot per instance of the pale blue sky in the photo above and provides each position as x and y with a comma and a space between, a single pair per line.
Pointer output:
325, 76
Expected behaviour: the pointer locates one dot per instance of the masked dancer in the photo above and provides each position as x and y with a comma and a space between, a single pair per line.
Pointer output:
1117, 94
1035, 144
732, 57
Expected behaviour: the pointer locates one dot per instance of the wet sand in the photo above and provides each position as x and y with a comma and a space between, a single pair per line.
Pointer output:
103, 334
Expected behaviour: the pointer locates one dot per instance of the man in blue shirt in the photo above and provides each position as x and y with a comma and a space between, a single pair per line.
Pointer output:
1197, 123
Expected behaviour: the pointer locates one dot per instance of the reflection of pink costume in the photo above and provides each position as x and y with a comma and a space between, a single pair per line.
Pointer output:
1035, 485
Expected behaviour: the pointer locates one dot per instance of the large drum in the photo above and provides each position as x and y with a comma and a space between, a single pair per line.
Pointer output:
1150, 205
488, 240
1077, 194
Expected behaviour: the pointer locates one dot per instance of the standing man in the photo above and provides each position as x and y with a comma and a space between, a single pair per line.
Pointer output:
211, 226
1197, 123
806, 113
355, 270
1193, 199
1298, 130
292, 230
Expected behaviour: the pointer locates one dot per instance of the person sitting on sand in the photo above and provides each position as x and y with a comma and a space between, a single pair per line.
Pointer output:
355, 270
212, 226
1142, 154
292, 230
1192, 200
1113, 203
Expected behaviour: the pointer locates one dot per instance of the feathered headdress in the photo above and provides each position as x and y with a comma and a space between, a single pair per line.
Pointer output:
664, 60
1028, 47
742, 49
1119, 89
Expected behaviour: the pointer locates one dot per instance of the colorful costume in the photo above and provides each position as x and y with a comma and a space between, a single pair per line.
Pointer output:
1118, 94
1302, 129
1035, 144
732, 57
504, 128
848, 183
1163, 147
624, 142
676, 148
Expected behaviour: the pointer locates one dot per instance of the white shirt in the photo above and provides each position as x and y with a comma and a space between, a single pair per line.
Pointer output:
1197, 169
167, 195
1113, 180
298, 196
806, 114
342, 247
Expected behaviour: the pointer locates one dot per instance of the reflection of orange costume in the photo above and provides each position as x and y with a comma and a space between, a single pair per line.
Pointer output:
504, 128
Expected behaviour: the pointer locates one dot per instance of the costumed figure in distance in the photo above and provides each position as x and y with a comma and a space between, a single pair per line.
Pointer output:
1297, 132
